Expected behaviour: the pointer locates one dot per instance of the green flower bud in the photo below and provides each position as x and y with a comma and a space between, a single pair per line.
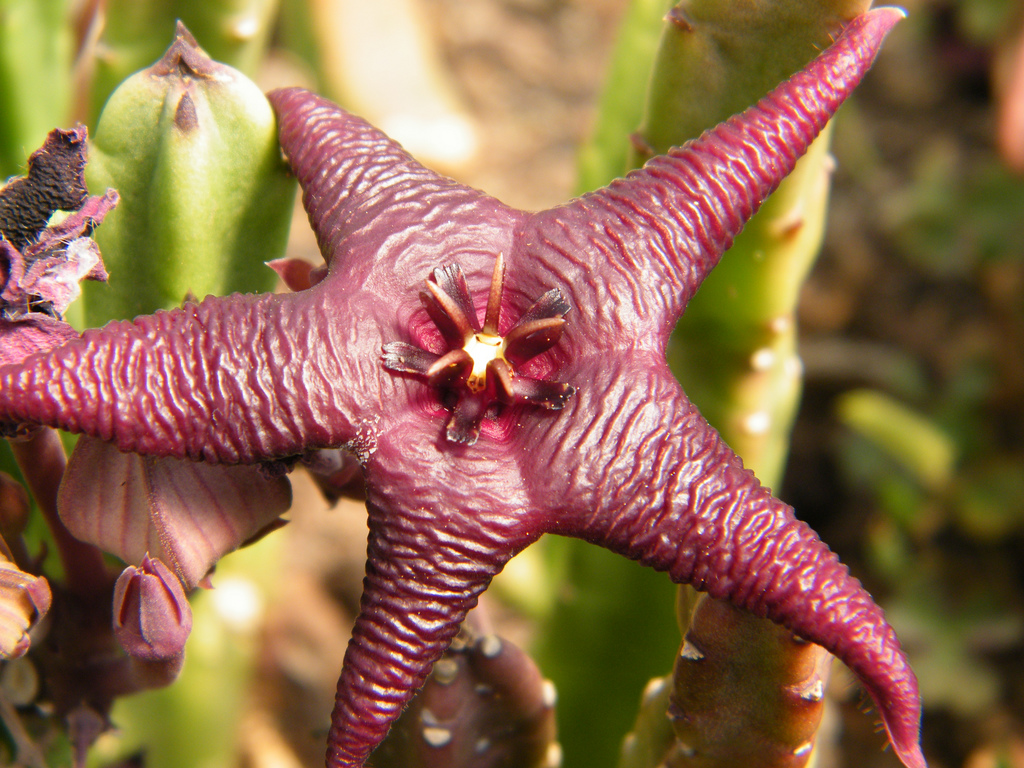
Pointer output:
234, 32
191, 145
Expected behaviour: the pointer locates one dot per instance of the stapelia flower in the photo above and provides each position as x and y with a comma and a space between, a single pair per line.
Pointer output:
41, 266
626, 462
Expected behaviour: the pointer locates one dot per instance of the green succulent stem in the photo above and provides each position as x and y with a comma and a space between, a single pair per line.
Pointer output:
234, 32
36, 46
605, 155
735, 351
206, 199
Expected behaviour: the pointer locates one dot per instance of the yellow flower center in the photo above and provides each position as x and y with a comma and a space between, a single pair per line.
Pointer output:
482, 349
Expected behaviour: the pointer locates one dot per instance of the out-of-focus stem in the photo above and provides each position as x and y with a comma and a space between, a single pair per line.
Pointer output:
605, 155
35, 73
376, 60
42, 460
26, 751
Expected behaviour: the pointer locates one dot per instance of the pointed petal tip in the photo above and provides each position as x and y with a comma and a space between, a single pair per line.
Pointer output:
282, 99
902, 725
878, 22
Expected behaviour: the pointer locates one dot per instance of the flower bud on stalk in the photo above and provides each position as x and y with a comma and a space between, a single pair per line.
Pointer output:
191, 145
152, 617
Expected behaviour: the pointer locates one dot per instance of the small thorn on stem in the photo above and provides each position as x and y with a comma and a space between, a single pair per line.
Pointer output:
640, 145
678, 18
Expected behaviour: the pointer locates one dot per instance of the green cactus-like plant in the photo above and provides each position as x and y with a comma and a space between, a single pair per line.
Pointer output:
191, 145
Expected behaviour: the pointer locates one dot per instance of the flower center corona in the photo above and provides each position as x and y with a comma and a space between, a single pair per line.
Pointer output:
482, 348
479, 366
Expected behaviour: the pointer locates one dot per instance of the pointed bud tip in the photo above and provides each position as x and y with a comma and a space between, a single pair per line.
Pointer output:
184, 57
181, 33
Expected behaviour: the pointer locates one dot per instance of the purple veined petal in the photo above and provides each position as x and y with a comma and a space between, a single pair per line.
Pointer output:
640, 247
193, 382
421, 580
188, 514
360, 188
683, 503
33, 333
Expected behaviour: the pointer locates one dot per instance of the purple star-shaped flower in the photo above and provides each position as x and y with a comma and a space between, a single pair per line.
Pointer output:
554, 413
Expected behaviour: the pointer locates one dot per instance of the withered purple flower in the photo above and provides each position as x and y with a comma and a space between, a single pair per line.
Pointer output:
627, 462
41, 266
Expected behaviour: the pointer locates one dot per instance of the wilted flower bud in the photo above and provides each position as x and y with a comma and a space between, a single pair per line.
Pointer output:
24, 599
192, 147
152, 617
